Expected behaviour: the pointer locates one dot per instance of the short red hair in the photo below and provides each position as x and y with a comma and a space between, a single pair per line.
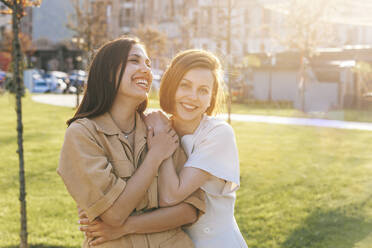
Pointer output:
179, 66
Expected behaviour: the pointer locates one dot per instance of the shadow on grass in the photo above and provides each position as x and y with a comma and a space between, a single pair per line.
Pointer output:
39, 246
341, 228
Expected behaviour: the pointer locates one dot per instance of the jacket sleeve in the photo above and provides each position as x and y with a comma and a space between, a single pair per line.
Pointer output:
87, 173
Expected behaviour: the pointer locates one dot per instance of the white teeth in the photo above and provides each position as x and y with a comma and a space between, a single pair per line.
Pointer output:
142, 82
187, 106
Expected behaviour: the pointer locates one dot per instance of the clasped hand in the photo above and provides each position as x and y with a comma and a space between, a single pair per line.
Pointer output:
97, 230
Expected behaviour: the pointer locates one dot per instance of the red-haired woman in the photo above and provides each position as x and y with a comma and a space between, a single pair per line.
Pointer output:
191, 91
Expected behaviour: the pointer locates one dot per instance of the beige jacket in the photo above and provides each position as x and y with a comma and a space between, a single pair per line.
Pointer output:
96, 161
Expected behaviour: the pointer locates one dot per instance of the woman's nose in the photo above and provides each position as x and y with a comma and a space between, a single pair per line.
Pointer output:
145, 68
193, 95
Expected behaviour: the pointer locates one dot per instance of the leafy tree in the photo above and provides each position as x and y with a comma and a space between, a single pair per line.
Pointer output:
363, 71
24, 39
89, 24
155, 42
306, 29
27, 48
17, 9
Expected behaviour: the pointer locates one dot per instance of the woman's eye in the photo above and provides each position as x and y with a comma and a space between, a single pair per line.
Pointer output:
184, 85
204, 91
134, 60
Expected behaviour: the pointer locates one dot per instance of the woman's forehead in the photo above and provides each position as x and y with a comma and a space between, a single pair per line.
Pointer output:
138, 50
199, 75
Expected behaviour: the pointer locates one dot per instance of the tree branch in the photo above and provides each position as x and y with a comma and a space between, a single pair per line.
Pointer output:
7, 3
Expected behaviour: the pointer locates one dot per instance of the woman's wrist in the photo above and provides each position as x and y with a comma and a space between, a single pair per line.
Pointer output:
156, 156
129, 226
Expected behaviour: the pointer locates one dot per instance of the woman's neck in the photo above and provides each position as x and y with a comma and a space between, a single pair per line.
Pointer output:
183, 127
123, 114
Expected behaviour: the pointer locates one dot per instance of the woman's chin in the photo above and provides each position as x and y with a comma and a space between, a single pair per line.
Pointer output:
138, 96
188, 118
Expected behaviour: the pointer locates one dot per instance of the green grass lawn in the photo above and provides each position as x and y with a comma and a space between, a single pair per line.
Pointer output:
302, 187
287, 110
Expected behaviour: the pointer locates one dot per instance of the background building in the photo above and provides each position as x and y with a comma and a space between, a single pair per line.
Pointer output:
248, 35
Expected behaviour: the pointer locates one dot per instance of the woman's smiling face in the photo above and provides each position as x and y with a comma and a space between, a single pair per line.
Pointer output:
137, 77
193, 95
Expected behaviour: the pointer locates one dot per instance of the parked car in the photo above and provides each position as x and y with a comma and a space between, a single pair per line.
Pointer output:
59, 75
2, 78
54, 81
40, 86
57, 81
78, 79
29, 77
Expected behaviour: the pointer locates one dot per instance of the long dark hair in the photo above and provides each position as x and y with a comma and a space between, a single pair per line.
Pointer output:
103, 85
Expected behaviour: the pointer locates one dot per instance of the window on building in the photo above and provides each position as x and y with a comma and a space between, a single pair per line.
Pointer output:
221, 17
246, 17
125, 17
195, 22
245, 50
266, 20
351, 36
209, 16
121, 17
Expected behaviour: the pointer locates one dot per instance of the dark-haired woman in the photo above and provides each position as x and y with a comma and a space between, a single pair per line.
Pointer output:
109, 161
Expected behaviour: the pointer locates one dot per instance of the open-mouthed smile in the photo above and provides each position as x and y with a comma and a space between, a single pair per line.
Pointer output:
143, 83
189, 107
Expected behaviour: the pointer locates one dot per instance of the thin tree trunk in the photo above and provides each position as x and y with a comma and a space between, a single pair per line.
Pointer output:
302, 83
270, 82
229, 100
77, 94
17, 57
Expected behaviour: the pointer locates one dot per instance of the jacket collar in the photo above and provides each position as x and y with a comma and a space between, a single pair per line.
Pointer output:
105, 124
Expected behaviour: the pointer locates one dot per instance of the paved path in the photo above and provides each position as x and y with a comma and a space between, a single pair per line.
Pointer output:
58, 100
70, 101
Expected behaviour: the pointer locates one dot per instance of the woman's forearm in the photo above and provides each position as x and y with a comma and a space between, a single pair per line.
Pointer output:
175, 187
161, 146
135, 189
161, 219
168, 183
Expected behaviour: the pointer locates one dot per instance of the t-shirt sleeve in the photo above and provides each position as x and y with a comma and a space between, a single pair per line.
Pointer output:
86, 172
216, 153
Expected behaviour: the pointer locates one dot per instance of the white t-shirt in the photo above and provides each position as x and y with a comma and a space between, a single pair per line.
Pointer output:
212, 148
